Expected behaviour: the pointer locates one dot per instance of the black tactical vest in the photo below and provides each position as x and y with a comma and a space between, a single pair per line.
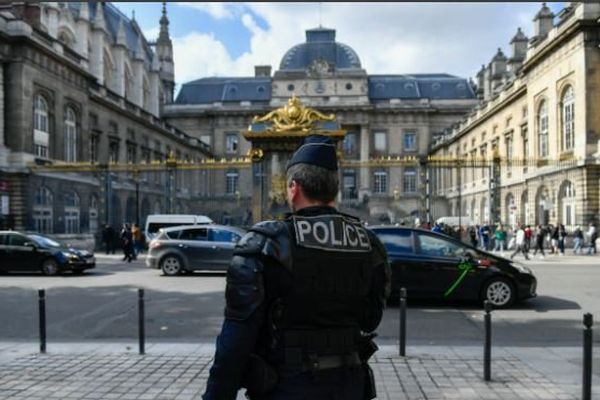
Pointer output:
331, 273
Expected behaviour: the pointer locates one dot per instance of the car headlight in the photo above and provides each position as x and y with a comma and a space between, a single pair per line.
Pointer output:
521, 268
69, 256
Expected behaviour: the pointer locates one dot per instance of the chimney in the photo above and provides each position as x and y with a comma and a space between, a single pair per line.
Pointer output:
262, 71
543, 21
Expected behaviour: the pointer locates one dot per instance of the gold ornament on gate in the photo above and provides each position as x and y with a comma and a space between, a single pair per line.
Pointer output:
293, 117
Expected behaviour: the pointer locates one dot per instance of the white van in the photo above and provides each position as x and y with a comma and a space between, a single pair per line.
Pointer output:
156, 221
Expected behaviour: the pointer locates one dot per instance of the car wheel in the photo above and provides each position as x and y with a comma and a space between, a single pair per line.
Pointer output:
499, 292
171, 265
49, 267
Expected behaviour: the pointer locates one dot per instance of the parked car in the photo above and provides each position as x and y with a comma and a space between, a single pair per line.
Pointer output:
432, 265
32, 253
193, 248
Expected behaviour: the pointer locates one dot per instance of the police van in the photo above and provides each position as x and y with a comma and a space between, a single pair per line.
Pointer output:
155, 222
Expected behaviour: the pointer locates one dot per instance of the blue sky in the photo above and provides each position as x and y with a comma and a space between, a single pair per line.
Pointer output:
228, 39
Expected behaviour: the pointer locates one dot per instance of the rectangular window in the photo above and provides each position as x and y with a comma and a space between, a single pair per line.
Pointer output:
231, 183
410, 141
113, 151
349, 184
380, 144
231, 143
94, 146
509, 152
409, 184
349, 144
380, 182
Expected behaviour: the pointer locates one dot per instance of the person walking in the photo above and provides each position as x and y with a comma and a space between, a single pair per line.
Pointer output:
473, 236
127, 243
528, 236
554, 236
593, 235
578, 240
540, 234
562, 235
303, 296
500, 239
484, 234
136, 235
520, 243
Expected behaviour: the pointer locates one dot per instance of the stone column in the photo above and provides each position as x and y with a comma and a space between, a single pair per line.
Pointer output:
365, 181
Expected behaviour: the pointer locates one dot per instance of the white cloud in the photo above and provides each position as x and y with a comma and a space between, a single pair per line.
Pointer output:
216, 10
389, 38
151, 34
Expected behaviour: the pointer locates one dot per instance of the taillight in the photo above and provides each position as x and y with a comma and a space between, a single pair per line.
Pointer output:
485, 263
154, 244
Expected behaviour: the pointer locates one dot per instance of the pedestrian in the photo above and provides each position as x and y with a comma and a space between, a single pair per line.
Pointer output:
540, 233
528, 236
562, 235
484, 234
520, 243
593, 235
436, 228
127, 243
320, 282
578, 240
473, 236
500, 239
108, 238
136, 235
554, 236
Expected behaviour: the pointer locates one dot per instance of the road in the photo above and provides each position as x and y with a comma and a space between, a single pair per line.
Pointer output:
102, 304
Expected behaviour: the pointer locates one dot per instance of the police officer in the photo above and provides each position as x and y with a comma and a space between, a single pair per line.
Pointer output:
302, 296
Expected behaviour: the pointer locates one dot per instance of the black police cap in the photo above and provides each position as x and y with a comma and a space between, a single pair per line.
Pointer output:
316, 150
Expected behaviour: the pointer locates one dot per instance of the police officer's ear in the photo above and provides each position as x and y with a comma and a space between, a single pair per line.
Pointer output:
294, 190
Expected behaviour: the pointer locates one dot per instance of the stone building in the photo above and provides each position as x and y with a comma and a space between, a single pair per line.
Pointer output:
384, 116
81, 84
538, 117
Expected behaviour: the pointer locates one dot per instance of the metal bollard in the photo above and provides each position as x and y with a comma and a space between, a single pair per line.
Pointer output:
588, 321
487, 350
141, 332
402, 322
42, 322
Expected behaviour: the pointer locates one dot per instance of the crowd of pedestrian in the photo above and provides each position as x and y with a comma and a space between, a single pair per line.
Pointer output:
130, 239
524, 239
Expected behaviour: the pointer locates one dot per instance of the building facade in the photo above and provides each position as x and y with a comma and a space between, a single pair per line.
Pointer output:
538, 120
81, 84
384, 116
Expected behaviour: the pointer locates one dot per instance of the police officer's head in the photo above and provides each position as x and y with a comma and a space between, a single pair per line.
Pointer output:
312, 173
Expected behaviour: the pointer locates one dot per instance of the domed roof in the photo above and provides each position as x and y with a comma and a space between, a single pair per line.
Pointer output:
320, 46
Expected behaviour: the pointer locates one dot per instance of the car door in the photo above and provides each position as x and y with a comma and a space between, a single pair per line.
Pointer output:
3, 253
444, 269
223, 242
196, 247
22, 254
399, 245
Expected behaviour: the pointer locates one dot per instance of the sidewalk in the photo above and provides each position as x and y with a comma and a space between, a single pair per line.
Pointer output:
174, 371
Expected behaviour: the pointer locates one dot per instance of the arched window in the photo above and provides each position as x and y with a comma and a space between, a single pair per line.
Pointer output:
70, 135
93, 214
542, 129
568, 119
72, 212
42, 210
41, 128
567, 206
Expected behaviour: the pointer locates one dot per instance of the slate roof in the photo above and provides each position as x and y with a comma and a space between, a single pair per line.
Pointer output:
210, 90
320, 44
113, 16
417, 86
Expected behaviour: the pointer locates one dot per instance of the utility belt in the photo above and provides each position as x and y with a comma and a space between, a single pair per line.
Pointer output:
261, 377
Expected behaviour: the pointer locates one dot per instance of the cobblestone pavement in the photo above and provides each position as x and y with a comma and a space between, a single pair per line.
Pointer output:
179, 371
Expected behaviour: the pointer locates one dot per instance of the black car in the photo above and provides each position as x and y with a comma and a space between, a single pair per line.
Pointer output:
34, 253
436, 266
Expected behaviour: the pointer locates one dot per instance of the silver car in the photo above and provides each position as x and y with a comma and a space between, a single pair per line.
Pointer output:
193, 248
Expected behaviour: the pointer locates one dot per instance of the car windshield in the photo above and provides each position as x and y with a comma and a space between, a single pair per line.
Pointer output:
44, 241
